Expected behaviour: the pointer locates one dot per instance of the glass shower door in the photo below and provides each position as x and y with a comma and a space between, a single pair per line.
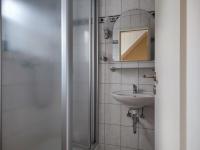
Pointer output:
31, 74
83, 136
39, 71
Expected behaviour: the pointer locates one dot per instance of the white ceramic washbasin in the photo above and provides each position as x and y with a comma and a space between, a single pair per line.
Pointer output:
136, 100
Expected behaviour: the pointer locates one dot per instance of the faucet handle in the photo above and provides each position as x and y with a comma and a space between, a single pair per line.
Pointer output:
135, 88
151, 76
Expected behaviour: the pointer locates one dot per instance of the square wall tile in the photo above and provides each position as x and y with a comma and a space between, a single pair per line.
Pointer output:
113, 7
101, 133
129, 4
102, 74
102, 8
101, 113
102, 51
113, 77
145, 64
125, 121
101, 33
148, 122
148, 5
109, 88
109, 51
130, 65
101, 92
112, 114
111, 147
129, 76
128, 138
146, 87
146, 140
112, 135
127, 87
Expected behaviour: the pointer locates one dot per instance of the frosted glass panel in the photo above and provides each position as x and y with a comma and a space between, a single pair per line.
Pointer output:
31, 62
81, 73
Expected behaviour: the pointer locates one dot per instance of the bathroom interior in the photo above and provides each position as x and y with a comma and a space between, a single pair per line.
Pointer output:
77, 75
126, 66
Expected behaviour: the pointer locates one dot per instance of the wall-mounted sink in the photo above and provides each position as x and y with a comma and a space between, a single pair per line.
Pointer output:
136, 100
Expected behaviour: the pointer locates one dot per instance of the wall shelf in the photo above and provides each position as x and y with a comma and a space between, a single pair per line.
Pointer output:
137, 65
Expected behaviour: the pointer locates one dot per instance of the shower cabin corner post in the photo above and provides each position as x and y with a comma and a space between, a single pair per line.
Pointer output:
1, 76
95, 11
97, 66
94, 73
67, 42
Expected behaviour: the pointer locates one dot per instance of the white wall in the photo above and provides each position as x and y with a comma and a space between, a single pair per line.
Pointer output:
193, 74
168, 73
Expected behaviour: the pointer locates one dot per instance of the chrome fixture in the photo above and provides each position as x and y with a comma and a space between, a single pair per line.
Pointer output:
155, 79
107, 33
135, 88
151, 76
103, 58
142, 65
142, 113
135, 115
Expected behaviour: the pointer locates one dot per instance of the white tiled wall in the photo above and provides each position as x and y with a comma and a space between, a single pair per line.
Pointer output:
115, 129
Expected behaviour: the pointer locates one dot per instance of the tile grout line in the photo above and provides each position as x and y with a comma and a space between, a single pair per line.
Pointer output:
120, 105
128, 126
138, 124
104, 140
105, 7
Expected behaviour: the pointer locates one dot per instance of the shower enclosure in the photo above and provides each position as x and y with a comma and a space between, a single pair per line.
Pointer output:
48, 75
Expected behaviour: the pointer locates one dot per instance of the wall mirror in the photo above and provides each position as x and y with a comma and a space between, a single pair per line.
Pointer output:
133, 36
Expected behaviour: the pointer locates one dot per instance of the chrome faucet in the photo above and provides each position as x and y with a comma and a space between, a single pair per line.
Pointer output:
135, 89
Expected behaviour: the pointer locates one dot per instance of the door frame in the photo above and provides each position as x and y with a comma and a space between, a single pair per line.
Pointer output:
183, 75
181, 137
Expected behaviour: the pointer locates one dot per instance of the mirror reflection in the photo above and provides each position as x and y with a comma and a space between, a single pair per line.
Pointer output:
134, 45
133, 36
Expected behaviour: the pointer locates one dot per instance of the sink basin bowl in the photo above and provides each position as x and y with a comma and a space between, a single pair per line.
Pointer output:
136, 100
